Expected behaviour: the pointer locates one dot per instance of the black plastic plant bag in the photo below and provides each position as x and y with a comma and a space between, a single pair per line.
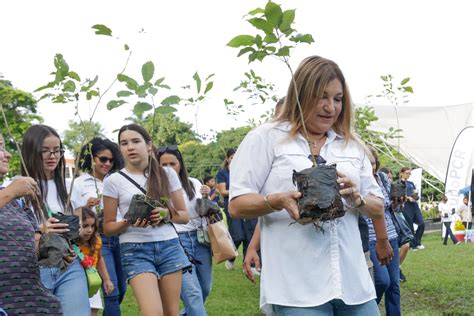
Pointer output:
141, 207
320, 199
72, 221
206, 207
398, 190
54, 251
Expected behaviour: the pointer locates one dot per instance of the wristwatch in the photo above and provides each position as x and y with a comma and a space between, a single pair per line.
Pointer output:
362, 202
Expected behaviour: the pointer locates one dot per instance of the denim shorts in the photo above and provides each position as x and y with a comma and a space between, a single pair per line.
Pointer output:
158, 257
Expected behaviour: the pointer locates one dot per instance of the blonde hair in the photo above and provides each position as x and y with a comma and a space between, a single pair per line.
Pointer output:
311, 78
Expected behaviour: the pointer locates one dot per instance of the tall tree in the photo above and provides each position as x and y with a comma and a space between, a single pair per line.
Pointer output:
21, 112
74, 136
168, 129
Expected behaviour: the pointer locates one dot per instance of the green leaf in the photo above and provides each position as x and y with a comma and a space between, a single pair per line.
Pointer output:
287, 20
153, 90
148, 70
302, 38
261, 24
124, 93
198, 82
130, 82
241, 40
284, 51
114, 104
62, 68
126, 47
273, 14
384, 78
165, 109
408, 89
102, 30
405, 81
257, 11
258, 41
172, 99
164, 86
69, 86
208, 87
93, 82
245, 50
47, 86
270, 38
141, 107
88, 95
74, 76
159, 81
210, 76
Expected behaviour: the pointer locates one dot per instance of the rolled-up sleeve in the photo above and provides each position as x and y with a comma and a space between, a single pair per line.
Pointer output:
251, 165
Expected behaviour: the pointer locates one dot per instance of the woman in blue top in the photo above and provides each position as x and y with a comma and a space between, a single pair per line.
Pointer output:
383, 246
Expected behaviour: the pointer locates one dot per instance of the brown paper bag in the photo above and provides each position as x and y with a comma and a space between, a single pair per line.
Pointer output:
222, 246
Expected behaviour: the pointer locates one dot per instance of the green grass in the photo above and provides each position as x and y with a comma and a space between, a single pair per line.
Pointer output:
440, 280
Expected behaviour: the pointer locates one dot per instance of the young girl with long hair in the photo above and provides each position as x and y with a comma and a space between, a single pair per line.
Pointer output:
196, 286
98, 159
152, 257
91, 245
43, 153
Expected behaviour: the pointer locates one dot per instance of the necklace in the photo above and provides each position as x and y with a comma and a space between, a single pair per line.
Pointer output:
315, 144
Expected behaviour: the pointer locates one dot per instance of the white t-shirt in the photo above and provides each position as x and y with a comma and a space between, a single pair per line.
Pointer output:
446, 211
303, 266
120, 188
52, 198
195, 221
85, 188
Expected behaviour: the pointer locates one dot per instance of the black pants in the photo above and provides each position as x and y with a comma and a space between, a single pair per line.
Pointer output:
449, 233
413, 215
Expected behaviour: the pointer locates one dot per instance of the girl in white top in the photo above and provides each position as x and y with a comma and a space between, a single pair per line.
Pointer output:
43, 153
99, 158
152, 257
306, 270
196, 286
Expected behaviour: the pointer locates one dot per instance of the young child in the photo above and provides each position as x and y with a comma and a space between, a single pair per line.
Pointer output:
91, 245
210, 181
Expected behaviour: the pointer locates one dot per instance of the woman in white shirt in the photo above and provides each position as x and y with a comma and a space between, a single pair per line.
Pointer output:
99, 158
308, 270
446, 211
152, 257
196, 286
43, 153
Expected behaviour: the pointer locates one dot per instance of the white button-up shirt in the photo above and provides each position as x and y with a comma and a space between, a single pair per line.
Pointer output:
303, 266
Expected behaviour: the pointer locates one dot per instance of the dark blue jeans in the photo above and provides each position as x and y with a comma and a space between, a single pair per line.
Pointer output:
412, 214
111, 254
387, 279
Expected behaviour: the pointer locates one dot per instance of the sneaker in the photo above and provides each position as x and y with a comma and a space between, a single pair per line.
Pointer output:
421, 247
402, 276
229, 265
413, 249
458, 243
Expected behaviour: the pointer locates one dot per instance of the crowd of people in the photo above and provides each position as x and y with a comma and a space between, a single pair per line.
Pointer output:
343, 266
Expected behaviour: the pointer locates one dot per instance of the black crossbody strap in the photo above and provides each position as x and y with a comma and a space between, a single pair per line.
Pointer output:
126, 176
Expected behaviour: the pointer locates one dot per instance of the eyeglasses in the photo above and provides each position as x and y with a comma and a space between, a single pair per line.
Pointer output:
58, 153
104, 159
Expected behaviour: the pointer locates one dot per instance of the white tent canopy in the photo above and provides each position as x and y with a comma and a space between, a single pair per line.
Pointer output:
429, 132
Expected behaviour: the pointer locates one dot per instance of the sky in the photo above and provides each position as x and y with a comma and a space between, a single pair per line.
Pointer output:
429, 41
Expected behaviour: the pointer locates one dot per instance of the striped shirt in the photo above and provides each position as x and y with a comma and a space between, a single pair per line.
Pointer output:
382, 181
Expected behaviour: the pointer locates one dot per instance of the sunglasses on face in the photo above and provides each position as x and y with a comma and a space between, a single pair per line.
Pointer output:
104, 159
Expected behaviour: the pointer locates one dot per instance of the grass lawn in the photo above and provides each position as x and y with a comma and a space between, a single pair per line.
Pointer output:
440, 280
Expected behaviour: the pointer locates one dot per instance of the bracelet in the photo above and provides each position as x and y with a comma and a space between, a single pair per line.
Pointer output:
382, 239
269, 206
